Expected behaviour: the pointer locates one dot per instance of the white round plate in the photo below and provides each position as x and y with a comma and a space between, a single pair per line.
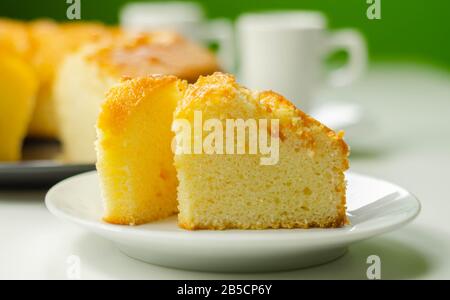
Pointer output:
374, 207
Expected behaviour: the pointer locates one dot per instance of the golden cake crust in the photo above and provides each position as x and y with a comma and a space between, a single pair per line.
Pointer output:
160, 52
121, 99
222, 90
219, 87
338, 222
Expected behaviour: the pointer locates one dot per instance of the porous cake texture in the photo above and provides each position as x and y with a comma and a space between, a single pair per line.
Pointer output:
135, 160
304, 188
146, 173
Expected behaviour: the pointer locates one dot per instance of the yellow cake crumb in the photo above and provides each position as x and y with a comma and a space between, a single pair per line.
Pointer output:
134, 155
305, 188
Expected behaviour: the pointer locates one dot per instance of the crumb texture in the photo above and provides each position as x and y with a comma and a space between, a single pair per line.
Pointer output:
306, 188
134, 155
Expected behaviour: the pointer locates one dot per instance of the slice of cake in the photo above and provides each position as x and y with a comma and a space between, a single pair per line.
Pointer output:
86, 75
51, 43
15, 38
294, 178
134, 155
18, 85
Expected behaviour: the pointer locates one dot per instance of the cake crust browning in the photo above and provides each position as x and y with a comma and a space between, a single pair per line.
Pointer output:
159, 52
336, 223
220, 96
126, 96
306, 189
220, 87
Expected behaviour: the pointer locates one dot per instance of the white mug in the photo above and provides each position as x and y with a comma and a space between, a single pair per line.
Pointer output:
285, 51
188, 19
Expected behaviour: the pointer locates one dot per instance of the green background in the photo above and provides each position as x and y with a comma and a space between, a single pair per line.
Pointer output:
409, 30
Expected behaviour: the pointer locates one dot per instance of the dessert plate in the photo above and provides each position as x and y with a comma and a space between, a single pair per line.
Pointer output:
38, 173
40, 166
375, 207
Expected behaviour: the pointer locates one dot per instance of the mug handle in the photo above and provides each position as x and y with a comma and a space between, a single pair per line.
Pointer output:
354, 44
221, 32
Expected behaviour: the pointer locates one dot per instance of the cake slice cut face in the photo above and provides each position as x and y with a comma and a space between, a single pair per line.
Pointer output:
300, 185
134, 155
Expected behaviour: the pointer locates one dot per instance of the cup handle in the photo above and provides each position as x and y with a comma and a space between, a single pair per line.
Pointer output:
221, 32
354, 43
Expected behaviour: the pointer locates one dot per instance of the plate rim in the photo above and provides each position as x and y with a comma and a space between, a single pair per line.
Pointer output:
346, 234
40, 165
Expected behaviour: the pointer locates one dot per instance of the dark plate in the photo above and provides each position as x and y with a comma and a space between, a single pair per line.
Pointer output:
40, 167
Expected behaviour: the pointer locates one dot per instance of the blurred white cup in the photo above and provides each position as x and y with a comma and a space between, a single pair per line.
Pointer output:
285, 51
188, 19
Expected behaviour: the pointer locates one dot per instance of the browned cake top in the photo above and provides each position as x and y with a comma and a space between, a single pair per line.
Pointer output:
164, 53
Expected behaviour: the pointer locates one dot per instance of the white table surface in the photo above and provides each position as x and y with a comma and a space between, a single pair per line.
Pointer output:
411, 105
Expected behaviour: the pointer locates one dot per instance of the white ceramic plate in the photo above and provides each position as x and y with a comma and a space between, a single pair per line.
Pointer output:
374, 206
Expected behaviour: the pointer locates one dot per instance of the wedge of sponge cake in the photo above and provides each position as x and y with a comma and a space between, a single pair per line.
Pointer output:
304, 186
135, 160
86, 75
